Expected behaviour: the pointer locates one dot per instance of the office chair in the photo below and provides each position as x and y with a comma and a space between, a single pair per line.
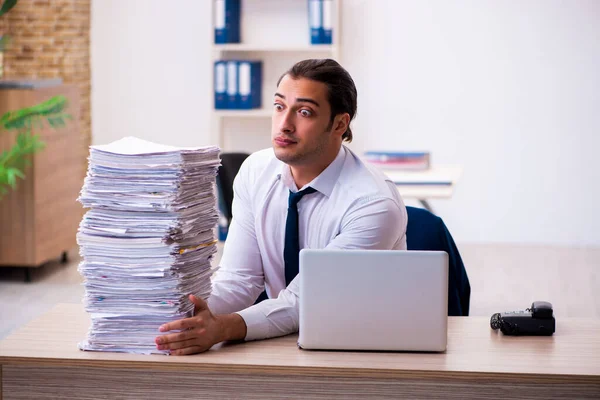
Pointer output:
426, 231
230, 165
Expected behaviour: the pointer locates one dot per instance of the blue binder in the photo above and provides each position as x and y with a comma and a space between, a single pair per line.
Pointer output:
233, 95
227, 21
220, 85
249, 84
327, 22
315, 21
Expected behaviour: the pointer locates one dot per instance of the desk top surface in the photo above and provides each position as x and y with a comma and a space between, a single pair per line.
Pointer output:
473, 348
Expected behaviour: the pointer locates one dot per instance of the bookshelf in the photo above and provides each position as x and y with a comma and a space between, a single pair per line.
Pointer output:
276, 32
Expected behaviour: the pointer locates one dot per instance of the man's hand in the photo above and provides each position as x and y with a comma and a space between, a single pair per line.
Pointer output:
200, 332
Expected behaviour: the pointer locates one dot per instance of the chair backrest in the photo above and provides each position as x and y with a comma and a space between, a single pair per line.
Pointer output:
230, 165
426, 231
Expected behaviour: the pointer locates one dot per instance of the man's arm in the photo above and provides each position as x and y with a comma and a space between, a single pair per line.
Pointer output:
373, 224
240, 278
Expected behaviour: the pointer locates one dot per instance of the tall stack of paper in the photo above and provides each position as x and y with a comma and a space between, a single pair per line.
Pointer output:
147, 240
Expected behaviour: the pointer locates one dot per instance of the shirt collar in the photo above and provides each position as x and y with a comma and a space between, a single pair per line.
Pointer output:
323, 183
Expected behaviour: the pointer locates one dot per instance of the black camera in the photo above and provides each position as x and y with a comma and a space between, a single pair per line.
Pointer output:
537, 320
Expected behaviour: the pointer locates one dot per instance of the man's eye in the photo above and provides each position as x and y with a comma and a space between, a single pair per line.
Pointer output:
278, 106
305, 113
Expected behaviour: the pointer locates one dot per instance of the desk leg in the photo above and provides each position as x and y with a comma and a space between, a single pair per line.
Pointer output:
426, 205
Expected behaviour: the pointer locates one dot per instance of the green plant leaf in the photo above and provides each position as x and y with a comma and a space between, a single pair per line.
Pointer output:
6, 6
23, 117
11, 176
19, 173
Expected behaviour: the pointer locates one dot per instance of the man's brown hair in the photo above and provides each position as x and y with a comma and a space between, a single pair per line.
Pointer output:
341, 91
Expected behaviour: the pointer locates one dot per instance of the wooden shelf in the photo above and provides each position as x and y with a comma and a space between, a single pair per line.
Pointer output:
256, 113
273, 48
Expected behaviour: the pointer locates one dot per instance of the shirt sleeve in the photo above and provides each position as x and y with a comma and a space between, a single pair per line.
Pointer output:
240, 278
377, 223
373, 223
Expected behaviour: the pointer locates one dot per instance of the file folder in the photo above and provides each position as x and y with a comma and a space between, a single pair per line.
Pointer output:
327, 22
232, 85
315, 21
221, 101
227, 15
250, 84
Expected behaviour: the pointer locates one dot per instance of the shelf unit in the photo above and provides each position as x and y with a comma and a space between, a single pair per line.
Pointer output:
277, 33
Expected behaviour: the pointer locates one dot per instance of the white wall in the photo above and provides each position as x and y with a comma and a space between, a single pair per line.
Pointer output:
149, 70
510, 90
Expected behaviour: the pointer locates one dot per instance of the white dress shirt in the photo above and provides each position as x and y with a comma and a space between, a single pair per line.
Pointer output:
355, 207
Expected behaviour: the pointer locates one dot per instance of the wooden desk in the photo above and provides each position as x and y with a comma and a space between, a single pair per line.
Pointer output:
41, 361
438, 182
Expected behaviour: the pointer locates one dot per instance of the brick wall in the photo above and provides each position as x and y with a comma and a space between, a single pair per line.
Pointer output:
51, 39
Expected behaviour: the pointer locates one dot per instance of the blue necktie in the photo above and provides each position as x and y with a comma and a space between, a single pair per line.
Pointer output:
292, 246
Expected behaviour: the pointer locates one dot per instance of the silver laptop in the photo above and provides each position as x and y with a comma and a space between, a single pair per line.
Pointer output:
388, 300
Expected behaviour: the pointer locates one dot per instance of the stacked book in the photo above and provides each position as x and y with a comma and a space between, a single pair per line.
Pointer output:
147, 240
399, 160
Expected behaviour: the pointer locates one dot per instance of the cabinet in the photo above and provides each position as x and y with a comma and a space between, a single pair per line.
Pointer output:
39, 220
276, 32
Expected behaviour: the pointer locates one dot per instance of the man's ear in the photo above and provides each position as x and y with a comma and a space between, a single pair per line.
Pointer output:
341, 123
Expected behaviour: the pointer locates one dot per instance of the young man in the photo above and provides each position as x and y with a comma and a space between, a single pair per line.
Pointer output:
308, 191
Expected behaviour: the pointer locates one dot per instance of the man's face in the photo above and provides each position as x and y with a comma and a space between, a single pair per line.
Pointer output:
301, 129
